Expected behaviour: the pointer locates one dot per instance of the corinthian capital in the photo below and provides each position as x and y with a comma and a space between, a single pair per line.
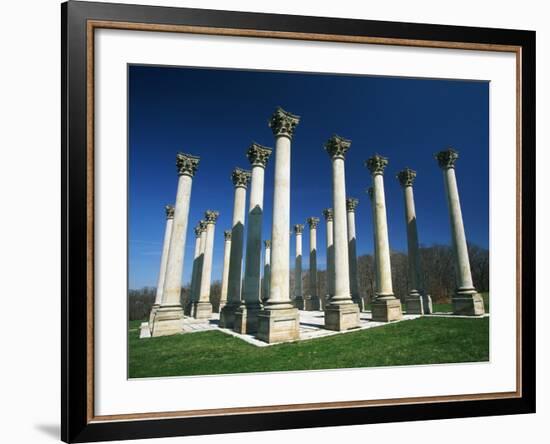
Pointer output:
187, 164
329, 215
376, 164
267, 243
240, 177
202, 226
299, 228
446, 159
169, 211
227, 235
313, 222
198, 230
258, 154
351, 204
211, 216
337, 147
283, 123
406, 177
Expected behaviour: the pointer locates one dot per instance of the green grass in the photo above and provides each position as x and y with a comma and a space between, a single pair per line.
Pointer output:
420, 341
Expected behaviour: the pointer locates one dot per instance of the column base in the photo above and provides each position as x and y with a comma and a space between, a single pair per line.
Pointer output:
414, 304
168, 321
202, 310
246, 319
300, 303
468, 303
278, 325
357, 299
313, 304
144, 330
227, 315
386, 310
341, 317
152, 315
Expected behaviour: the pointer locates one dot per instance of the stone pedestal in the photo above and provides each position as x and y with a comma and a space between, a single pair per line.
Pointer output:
466, 300
386, 310
341, 313
168, 321
341, 317
468, 304
278, 325
168, 317
246, 319
279, 321
386, 307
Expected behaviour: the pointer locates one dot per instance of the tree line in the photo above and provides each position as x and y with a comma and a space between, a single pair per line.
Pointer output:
437, 265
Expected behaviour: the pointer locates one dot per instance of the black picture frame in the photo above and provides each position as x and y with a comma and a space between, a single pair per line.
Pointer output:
77, 425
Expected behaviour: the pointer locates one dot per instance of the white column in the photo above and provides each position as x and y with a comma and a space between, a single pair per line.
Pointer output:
240, 180
466, 300
246, 318
199, 240
267, 270
170, 313
225, 272
417, 300
169, 209
386, 306
282, 124
203, 306
298, 292
313, 302
329, 218
351, 205
341, 313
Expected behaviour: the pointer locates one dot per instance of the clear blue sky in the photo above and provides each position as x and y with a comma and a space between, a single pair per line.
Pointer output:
215, 114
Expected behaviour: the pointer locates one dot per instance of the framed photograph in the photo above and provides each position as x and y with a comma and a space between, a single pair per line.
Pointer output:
275, 221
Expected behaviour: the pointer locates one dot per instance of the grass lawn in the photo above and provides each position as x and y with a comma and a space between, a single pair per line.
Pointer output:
420, 341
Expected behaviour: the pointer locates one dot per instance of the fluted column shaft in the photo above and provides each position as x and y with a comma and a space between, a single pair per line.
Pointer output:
258, 156
383, 262
460, 247
225, 272
267, 270
280, 236
341, 254
313, 290
164, 254
415, 275
351, 205
298, 293
174, 266
330, 253
200, 262
204, 292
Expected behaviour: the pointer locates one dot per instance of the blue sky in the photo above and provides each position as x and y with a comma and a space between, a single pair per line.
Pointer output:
216, 114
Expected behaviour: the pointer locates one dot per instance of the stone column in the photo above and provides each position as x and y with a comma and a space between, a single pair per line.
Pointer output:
341, 313
351, 205
267, 270
279, 320
385, 307
225, 273
417, 301
168, 319
246, 317
313, 303
202, 307
240, 179
200, 237
298, 292
466, 300
329, 218
163, 259
370, 192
